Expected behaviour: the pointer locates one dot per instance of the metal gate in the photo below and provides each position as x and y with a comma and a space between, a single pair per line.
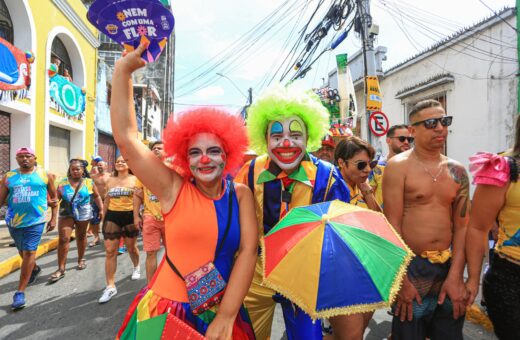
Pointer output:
5, 148
107, 149
5, 142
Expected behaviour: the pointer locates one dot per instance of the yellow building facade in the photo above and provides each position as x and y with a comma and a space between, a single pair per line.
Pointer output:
56, 32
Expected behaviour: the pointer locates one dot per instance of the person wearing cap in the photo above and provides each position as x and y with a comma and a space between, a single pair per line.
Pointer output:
29, 190
94, 164
151, 222
100, 178
326, 152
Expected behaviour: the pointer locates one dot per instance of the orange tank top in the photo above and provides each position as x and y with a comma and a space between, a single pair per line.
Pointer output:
191, 229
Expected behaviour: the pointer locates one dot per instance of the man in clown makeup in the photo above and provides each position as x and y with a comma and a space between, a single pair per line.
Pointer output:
284, 125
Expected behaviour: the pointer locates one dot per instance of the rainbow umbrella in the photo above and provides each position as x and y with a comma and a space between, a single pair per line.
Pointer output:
334, 258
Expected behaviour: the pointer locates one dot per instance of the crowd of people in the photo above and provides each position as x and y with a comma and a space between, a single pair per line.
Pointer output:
210, 207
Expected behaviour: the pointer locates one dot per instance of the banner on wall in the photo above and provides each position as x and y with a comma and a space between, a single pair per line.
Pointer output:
14, 67
69, 97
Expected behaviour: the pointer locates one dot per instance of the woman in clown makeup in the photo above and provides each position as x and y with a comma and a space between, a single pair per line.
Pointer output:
210, 222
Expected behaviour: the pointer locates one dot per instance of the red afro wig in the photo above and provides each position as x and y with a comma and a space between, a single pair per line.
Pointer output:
229, 128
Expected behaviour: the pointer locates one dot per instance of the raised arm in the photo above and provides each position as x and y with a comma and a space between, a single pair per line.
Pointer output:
243, 269
151, 171
488, 200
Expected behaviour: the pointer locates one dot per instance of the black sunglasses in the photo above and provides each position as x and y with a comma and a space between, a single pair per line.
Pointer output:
432, 122
403, 138
362, 165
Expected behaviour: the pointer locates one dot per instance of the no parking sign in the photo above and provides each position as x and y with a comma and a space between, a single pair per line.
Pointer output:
378, 123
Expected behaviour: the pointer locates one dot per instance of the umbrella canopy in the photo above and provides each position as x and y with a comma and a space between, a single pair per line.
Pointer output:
334, 258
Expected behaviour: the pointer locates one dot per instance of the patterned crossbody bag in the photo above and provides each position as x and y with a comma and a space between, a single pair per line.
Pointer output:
205, 285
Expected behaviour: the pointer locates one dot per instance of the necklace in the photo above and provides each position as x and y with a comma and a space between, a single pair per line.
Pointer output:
434, 178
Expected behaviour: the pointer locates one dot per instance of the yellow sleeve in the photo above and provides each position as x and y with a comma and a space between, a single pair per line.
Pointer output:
242, 174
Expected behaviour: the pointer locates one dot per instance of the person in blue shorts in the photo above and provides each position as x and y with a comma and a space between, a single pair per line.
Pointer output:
28, 190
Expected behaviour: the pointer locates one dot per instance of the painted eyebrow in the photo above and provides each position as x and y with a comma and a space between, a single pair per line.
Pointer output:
276, 128
295, 126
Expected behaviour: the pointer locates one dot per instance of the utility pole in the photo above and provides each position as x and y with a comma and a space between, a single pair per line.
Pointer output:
365, 20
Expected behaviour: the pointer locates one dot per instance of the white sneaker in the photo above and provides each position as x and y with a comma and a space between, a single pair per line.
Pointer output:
108, 293
136, 274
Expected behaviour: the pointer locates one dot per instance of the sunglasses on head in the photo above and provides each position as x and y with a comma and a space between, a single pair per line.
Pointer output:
403, 138
362, 164
432, 122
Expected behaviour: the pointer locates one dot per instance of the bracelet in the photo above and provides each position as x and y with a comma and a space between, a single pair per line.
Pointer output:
364, 193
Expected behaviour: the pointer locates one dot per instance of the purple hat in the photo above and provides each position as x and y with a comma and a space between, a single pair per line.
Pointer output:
25, 150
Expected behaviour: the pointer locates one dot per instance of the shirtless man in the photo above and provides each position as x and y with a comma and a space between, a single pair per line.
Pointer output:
426, 197
100, 179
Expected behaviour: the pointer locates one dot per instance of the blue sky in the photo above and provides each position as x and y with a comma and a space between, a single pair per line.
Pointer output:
206, 29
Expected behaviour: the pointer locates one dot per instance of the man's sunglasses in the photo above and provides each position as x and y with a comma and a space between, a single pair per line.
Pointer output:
403, 138
432, 122
362, 165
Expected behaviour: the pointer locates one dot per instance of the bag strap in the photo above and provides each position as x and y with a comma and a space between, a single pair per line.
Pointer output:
77, 189
329, 185
228, 225
230, 210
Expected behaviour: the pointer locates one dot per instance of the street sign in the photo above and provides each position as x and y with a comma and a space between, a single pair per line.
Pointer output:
378, 123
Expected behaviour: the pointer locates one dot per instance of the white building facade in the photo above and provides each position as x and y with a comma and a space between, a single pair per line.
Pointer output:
472, 73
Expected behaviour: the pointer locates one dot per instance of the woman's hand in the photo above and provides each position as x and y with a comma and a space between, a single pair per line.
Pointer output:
365, 188
221, 328
132, 61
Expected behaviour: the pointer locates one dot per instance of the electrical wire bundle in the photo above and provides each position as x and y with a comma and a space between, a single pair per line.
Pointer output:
335, 19
414, 21
241, 50
305, 43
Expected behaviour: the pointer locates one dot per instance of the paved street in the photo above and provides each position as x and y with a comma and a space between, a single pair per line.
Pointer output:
69, 309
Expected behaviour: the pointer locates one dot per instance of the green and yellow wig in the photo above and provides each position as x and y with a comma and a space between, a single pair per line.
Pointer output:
279, 103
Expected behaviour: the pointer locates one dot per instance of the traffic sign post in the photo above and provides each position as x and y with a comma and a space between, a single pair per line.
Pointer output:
378, 123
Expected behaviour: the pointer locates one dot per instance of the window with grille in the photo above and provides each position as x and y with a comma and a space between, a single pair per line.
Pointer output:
59, 51
6, 25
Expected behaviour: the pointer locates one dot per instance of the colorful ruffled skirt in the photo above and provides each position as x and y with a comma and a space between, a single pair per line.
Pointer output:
147, 305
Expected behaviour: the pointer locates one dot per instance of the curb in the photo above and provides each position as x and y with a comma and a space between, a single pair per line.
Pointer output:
13, 263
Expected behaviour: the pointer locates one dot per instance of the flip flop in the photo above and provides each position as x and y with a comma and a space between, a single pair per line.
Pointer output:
56, 276
93, 244
82, 264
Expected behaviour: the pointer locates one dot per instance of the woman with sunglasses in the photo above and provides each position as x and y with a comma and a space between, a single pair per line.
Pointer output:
496, 198
75, 192
355, 159
210, 223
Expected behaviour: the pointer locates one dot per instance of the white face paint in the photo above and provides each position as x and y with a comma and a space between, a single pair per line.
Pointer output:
287, 142
206, 157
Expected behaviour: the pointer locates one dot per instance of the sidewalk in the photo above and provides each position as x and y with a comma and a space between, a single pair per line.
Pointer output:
9, 259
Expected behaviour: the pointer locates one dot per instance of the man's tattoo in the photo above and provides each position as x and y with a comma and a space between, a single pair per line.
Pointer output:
459, 175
